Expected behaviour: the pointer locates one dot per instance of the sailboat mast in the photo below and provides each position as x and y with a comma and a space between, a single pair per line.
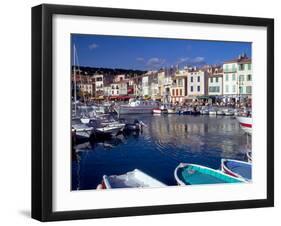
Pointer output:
74, 72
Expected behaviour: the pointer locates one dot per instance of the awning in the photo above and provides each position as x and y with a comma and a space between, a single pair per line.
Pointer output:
203, 97
119, 97
97, 98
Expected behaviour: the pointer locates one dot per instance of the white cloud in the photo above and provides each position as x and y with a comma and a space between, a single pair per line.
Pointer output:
155, 62
183, 60
191, 61
93, 46
198, 60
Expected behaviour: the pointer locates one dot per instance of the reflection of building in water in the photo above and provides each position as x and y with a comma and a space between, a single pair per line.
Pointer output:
169, 128
195, 134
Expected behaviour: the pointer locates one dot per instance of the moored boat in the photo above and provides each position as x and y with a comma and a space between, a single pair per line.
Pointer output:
236, 168
192, 174
212, 112
228, 112
109, 130
160, 111
136, 107
104, 127
204, 111
245, 123
156, 111
81, 131
135, 126
171, 111
132, 179
220, 112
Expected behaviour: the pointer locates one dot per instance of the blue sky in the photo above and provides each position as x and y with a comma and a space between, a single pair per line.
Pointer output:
152, 53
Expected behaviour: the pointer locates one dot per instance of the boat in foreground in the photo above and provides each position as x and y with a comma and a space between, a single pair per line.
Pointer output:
245, 123
236, 168
132, 179
192, 174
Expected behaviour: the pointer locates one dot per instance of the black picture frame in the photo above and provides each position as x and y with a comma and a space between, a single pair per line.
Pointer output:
42, 111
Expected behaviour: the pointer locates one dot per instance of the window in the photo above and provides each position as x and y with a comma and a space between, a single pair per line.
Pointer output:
233, 88
226, 89
191, 79
212, 80
191, 88
241, 78
249, 77
226, 68
249, 66
233, 77
217, 79
173, 91
248, 89
180, 82
214, 89
177, 92
241, 67
241, 90
226, 77
233, 67
198, 88
117, 92
112, 92
198, 79
180, 92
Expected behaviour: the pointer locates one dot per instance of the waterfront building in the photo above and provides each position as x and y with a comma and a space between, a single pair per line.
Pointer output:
179, 87
107, 91
215, 81
85, 85
99, 83
245, 78
137, 86
145, 86
130, 87
237, 78
168, 81
148, 79
197, 82
119, 86
119, 78
161, 78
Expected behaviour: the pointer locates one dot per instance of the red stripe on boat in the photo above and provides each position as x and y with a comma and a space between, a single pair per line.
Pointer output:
246, 125
229, 172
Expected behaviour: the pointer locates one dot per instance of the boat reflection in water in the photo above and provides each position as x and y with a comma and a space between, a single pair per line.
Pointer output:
159, 148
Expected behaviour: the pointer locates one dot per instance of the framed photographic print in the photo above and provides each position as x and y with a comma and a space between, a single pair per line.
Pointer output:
145, 112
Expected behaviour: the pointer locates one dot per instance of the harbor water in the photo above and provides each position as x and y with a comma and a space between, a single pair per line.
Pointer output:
166, 141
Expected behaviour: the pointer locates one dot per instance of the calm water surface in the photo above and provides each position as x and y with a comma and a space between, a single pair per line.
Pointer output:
167, 141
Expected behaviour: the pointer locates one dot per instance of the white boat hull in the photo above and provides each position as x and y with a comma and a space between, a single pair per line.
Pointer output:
122, 109
133, 179
157, 111
245, 123
212, 113
82, 131
110, 130
171, 111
